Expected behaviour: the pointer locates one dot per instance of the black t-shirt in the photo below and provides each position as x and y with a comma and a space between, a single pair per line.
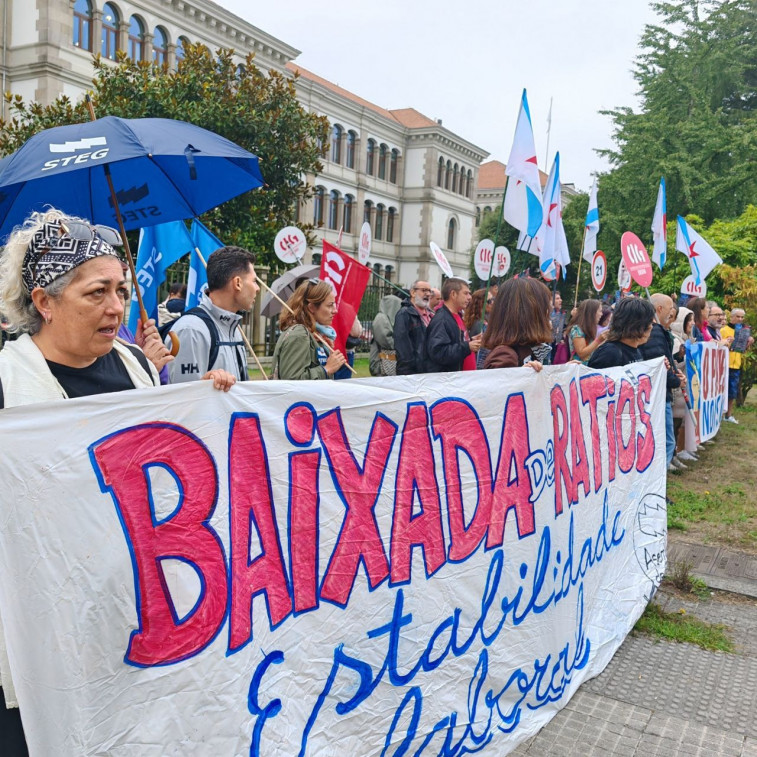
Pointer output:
106, 374
614, 354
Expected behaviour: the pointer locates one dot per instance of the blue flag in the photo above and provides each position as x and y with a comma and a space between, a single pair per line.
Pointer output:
159, 247
206, 243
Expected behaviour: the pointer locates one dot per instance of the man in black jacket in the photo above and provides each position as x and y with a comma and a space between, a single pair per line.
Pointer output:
447, 341
660, 344
410, 330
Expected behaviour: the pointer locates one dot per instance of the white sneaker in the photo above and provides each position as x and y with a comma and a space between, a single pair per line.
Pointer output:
673, 469
700, 447
678, 464
730, 419
687, 456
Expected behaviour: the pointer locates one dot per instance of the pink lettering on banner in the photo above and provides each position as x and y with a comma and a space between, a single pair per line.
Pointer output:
625, 408
580, 458
592, 389
561, 431
415, 474
359, 539
512, 492
122, 462
461, 432
251, 506
645, 446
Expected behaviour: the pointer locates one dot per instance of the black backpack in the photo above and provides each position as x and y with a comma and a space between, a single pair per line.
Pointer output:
206, 318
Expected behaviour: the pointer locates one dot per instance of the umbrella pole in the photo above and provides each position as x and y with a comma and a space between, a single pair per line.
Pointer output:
239, 326
315, 333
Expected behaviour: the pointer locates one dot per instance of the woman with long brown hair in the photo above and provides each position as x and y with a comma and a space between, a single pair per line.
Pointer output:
582, 331
701, 311
519, 330
472, 316
298, 354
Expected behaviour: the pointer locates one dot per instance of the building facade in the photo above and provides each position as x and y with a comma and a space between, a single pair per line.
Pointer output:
407, 175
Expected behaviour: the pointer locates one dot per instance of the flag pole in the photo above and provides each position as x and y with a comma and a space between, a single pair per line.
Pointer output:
578, 275
239, 325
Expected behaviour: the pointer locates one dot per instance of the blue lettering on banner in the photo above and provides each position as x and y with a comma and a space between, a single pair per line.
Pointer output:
544, 584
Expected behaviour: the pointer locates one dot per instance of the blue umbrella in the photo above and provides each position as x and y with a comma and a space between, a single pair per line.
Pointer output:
162, 171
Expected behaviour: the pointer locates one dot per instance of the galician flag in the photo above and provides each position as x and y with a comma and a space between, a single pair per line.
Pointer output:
660, 227
205, 243
522, 207
702, 257
592, 225
159, 247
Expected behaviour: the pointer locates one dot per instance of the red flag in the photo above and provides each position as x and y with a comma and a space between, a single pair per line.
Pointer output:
349, 279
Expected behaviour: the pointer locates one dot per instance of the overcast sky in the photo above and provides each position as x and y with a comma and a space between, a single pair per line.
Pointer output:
467, 61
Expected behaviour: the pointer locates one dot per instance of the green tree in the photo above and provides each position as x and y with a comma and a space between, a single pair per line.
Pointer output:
258, 111
696, 125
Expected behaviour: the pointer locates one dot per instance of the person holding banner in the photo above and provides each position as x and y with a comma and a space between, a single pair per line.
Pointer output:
520, 329
582, 331
297, 354
630, 327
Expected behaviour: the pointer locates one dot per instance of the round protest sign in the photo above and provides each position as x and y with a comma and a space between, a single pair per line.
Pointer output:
690, 287
441, 259
636, 259
599, 270
482, 259
364, 250
502, 261
290, 245
624, 278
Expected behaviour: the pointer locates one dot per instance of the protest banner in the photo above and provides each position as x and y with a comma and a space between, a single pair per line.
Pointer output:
418, 565
707, 379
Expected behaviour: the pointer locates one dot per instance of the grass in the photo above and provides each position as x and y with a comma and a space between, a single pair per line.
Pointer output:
681, 627
679, 575
715, 500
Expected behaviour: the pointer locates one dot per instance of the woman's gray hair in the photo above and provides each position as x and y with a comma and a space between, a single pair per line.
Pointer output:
15, 302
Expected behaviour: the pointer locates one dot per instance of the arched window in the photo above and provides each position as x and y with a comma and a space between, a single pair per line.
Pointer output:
448, 175
83, 24
451, 227
461, 185
317, 258
136, 39
349, 206
391, 216
333, 209
159, 46
351, 141
440, 173
379, 231
478, 216
318, 206
383, 150
455, 176
370, 154
109, 39
469, 184
180, 45
393, 166
336, 144
388, 270
377, 268
367, 207
487, 209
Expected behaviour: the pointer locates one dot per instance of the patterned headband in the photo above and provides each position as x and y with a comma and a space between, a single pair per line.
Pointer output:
50, 255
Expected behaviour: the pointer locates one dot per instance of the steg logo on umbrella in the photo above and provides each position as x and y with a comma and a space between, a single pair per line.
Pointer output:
73, 147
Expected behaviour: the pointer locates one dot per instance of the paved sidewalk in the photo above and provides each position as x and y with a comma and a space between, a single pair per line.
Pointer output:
667, 699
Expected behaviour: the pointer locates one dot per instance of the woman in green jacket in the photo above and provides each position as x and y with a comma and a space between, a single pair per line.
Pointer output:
298, 354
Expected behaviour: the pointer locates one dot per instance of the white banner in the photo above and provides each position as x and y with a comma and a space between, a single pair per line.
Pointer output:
707, 377
409, 565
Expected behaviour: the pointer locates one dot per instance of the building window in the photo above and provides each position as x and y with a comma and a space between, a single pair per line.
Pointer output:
83, 24
370, 155
317, 258
455, 177
461, 185
451, 234
318, 206
383, 151
448, 175
487, 209
333, 209
388, 270
440, 173
136, 38
159, 46
377, 269
469, 185
349, 205
367, 211
336, 144
351, 141
379, 233
478, 216
395, 156
109, 38
180, 51
391, 215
